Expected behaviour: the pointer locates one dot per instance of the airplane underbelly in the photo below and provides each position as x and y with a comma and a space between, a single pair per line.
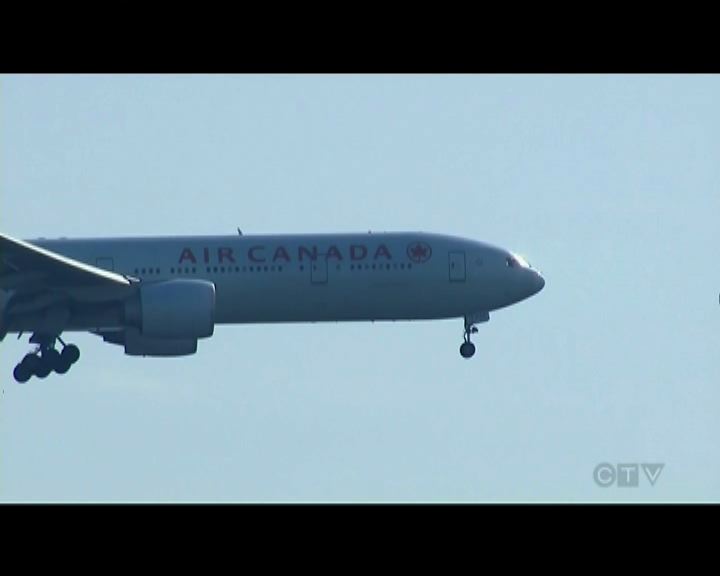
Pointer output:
334, 301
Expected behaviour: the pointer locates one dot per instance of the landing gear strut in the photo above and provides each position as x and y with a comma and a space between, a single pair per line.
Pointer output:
45, 359
467, 348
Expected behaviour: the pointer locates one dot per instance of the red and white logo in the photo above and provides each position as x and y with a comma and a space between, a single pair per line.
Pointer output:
419, 251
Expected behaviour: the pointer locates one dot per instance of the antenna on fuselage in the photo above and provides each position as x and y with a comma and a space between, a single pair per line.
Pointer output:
239, 231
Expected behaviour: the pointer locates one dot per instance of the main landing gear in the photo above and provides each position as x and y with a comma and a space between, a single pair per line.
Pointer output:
46, 359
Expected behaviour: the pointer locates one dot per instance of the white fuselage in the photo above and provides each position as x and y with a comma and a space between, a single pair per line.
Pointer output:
322, 277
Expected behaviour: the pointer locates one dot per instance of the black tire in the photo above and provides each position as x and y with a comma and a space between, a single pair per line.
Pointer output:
467, 349
31, 363
21, 373
44, 367
62, 365
70, 354
51, 357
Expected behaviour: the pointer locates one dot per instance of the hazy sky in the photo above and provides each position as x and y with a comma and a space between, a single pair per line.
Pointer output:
610, 185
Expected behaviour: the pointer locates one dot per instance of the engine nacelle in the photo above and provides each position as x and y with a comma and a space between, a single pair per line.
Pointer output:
138, 345
179, 309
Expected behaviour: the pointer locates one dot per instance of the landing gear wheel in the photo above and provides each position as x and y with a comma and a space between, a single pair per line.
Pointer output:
44, 368
467, 349
70, 354
31, 363
21, 373
27, 368
51, 357
62, 365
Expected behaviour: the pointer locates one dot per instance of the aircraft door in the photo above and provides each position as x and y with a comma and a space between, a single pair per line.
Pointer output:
456, 266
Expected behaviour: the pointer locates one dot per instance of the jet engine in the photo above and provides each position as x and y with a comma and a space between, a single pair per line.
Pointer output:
181, 309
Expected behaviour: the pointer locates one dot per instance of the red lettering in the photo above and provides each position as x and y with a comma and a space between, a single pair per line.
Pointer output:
187, 255
303, 250
382, 251
333, 252
354, 254
251, 254
280, 252
206, 255
225, 253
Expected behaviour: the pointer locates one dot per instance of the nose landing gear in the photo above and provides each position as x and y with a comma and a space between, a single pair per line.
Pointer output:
467, 348
45, 359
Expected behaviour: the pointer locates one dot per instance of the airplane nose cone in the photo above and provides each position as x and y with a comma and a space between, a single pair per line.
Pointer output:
539, 283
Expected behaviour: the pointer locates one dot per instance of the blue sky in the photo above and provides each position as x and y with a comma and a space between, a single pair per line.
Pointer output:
608, 184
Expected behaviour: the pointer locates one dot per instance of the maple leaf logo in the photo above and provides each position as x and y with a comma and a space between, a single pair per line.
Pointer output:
419, 251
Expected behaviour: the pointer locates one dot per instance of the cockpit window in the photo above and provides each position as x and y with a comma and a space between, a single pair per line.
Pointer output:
516, 261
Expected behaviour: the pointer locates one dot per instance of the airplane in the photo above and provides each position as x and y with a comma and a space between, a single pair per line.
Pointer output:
157, 296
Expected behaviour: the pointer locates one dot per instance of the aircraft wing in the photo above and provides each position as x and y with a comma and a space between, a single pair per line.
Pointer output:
24, 266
